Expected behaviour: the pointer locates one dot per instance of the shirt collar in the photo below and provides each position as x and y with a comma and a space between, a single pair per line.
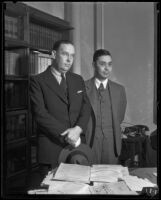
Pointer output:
98, 82
55, 72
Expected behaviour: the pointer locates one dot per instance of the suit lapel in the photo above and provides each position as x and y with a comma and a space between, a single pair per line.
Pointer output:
72, 88
114, 97
90, 87
53, 84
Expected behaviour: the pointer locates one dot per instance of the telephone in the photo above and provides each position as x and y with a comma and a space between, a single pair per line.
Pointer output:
135, 130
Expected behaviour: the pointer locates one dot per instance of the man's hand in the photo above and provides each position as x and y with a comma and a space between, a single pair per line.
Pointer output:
72, 135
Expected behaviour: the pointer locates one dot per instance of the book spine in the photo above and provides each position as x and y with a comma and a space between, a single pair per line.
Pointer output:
15, 28
36, 63
6, 62
6, 26
31, 72
31, 34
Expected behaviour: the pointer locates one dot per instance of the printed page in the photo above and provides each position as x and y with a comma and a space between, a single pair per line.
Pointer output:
149, 173
73, 172
108, 173
65, 187
137, 184
112, 188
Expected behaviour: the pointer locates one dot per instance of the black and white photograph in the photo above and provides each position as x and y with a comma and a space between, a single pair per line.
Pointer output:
79, 93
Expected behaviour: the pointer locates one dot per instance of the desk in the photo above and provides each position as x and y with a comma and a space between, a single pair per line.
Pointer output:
131, 147
140, 172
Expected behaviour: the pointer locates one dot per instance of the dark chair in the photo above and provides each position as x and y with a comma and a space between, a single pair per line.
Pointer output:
153, 140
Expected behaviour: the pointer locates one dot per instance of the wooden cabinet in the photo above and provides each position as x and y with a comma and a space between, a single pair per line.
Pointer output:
29, 37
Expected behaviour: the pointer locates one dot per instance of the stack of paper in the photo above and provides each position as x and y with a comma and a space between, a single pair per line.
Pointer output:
65, 187
137, 184
111, 188
149, 173
48, 179
73, 172
108, 173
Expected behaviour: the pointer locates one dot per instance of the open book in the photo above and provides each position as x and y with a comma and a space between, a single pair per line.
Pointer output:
108, 173
73, 172
66, 187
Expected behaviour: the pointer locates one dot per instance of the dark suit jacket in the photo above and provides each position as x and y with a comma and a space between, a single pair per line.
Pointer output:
118, 101
54, 114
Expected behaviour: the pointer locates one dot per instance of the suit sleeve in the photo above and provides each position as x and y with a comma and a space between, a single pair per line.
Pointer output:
47, 123
123, 104
85, 110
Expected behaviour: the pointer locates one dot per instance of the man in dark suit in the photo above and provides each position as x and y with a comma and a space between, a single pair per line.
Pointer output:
108, 100
59, 105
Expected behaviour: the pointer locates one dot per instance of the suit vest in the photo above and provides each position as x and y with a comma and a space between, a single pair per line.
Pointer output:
104, 112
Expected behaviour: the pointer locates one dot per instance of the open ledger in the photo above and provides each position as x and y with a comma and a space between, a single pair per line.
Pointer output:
87, 174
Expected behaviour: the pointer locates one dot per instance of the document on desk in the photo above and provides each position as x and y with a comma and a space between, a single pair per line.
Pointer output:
112, 188
65, 187
48, 179
137, 184
73, 172
149, 173
107, 173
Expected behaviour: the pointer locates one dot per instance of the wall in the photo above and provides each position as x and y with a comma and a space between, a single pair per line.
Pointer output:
81, 17
53, 8
87, 39
129, 35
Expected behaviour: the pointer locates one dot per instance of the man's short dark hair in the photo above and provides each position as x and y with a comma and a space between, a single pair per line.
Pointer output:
59, 42
100, 52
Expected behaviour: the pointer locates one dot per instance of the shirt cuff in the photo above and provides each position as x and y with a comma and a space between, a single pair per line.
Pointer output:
78, 142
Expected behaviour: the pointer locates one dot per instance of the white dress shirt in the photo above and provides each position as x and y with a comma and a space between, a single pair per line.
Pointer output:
98, 82
57, 74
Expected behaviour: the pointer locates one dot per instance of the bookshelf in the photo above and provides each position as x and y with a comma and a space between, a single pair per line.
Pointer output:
29, 36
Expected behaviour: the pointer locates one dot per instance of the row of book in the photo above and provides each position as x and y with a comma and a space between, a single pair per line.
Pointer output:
39, 62
15, 127
15, 94
11, 27
43, 37
14, 64
40, 36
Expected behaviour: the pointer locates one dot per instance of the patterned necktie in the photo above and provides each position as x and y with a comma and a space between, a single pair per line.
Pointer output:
100, 90
63, 83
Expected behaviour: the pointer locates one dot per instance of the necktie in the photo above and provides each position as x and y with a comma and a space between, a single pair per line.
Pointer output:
101, 88
63, 83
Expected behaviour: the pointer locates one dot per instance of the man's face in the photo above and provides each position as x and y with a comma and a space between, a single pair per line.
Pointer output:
103, 67
64, 57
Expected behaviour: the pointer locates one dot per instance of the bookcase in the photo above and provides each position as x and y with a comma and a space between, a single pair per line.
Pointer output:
29, 37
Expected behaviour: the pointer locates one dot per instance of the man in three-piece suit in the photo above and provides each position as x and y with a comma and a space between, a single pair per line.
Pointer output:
59, 105
108, 101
